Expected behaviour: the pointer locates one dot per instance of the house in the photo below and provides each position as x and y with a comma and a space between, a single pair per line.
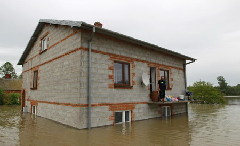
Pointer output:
86, 76
9, 85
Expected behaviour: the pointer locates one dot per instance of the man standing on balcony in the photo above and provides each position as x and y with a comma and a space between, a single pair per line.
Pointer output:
162, 88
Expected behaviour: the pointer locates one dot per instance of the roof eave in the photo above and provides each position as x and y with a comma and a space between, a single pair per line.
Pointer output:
139, 42
84, 25
31, 43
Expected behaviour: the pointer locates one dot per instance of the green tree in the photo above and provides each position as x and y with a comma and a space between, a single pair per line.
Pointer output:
223, 85
8, 68
205, 91
11, 99
234, 90
237, 89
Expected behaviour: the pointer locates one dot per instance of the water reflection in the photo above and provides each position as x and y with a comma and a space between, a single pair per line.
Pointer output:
215, 124
9, 125
204, 125
233, 100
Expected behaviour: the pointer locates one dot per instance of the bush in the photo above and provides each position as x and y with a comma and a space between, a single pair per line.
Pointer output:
12, 99
205, 91
1, 96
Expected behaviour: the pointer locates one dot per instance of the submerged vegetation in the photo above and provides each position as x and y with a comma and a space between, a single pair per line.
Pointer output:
9, 99
204, 91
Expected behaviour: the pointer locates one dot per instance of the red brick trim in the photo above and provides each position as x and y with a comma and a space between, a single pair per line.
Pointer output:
33, 102
42, 51
67, 37
131, 43
130, 59
51, 60
12, 91
104, 53
121, 107
112, 117
170, 86
111, 75
85, 105
123, 87
44, 35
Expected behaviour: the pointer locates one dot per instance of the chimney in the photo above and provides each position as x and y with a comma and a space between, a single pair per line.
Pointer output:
98, 24
8, 76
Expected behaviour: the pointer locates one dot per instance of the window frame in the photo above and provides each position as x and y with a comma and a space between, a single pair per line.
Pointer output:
123, 75
35, 80
123, 116
166, 79
34, 109
44, 44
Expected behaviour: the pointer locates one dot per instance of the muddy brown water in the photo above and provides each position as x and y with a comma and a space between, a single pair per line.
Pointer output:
206, 125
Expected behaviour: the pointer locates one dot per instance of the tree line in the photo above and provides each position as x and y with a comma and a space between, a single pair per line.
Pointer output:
207, 93
227, 89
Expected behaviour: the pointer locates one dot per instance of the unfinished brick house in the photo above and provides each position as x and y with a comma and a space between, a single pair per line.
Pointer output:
86, 76
9, 85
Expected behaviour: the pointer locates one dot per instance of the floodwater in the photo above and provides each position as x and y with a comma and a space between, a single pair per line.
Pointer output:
206, 125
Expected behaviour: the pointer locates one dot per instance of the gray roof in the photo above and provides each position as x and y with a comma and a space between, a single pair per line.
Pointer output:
83, 25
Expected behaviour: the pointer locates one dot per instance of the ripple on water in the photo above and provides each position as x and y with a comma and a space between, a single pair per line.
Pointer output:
205, 125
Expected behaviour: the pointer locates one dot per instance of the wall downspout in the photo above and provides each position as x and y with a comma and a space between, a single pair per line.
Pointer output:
89, 96
185, 76
185, 72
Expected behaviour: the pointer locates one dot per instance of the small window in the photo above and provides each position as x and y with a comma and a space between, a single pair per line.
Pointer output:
34, 109
122, 116
165, 73
35, 79
44, 44
121, 74
118, 117
166, 111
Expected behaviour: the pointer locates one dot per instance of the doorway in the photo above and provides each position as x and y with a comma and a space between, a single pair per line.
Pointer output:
23, 101
153, 79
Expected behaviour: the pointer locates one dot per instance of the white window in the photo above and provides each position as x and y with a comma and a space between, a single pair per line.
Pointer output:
44, 44
122, 116
34, 109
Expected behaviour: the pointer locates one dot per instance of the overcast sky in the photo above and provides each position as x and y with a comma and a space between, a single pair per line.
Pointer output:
208, 30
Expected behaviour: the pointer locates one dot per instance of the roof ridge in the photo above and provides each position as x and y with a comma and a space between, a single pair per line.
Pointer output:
84, 25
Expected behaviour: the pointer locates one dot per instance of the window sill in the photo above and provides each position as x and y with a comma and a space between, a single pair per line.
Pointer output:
42, 51
123, 87
33, 88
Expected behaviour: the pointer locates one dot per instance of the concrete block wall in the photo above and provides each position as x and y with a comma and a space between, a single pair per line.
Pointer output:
101, 116
178, 87
58, 76
64, 79
72, 116
61, 39
117, 47
102, 61
145, 111
180, 108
